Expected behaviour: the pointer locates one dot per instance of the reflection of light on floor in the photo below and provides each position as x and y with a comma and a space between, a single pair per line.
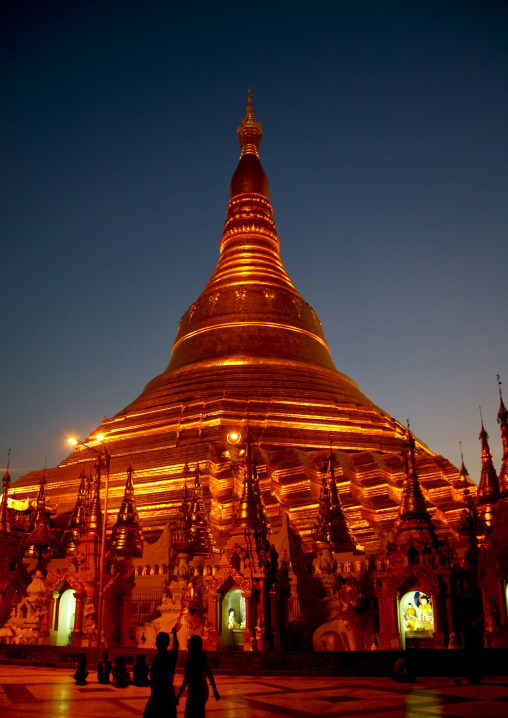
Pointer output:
414, 696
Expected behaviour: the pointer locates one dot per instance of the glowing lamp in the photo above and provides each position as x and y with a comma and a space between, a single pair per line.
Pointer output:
99, 437
72, 440
234, 437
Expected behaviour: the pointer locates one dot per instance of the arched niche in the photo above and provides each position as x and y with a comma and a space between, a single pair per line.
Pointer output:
233, 617
66, 612
416, 619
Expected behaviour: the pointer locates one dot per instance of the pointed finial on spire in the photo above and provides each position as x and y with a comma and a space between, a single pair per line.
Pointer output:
463, 471
488, 488
249, 131
502, 414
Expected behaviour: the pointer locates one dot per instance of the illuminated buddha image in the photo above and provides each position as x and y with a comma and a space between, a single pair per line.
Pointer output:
232, 619
410, 616
424, 604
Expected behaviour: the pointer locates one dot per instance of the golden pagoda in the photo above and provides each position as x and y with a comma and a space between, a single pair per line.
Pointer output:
250, 352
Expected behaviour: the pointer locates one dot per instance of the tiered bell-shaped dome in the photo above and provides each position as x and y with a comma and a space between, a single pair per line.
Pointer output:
251, 352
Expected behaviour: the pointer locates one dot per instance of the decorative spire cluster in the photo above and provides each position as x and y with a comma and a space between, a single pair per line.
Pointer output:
331, 527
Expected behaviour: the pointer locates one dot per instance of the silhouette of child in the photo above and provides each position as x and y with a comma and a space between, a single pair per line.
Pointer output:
162, 698
81, 672
141, 671
196, 672
104, 669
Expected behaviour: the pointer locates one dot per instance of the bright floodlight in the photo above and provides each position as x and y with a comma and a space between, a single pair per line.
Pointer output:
99, 437
234, 437
72, 440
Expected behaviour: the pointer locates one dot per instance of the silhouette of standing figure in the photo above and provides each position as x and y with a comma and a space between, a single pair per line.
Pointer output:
196, 671
162, 698
104, 669
81, 672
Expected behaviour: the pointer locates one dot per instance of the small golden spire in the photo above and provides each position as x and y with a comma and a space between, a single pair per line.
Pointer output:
249, 132
41, 535
72, 535
488, 488
4, 516
126, 535
413, 501
202, 539
94, 513
248, 509
332, 527
502, 418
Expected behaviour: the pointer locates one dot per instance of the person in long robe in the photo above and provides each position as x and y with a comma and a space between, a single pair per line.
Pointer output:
196, 673
162, 698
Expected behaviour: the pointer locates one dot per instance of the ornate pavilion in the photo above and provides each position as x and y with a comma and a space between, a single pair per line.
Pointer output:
253, 495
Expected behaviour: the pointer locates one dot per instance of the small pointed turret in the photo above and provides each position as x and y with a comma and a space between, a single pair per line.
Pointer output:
412, 504
416, 539
41, 536
181, 537
94, 511
77, 522
502, 417
332, 525
488, 488
4, 515
126, 535
248, 509
202, 539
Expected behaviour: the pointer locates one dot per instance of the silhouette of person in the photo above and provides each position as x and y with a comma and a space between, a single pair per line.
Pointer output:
196, 671
162, 698
121, 676
104, 669
141, 671
81, 672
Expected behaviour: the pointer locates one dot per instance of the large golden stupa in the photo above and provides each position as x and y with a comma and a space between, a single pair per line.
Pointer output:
250, 352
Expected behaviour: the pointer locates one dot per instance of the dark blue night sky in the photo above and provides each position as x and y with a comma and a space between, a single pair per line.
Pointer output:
386, 146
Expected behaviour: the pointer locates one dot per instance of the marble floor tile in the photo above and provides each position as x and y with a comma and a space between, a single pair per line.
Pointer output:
52, 693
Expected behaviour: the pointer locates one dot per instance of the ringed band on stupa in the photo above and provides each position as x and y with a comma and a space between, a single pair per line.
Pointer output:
250, 484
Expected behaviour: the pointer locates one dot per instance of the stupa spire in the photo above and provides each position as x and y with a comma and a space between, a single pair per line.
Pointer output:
126, 535
249, 309
249, 132
42, 534
488, 488
94, 512
202, 538
248, 508
332, 525
77, 523
4, 515
502, 417
412, 504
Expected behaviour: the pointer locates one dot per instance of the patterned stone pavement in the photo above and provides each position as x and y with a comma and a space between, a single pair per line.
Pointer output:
51, 692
